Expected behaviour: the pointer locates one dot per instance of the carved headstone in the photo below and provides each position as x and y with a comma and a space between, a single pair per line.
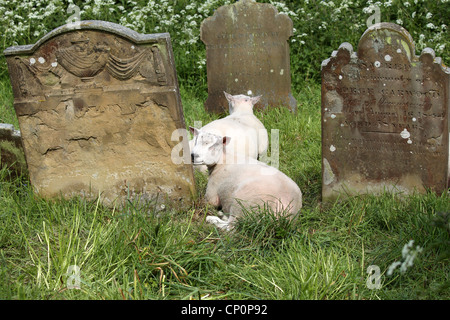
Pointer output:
247, 52
384, 116
97, 108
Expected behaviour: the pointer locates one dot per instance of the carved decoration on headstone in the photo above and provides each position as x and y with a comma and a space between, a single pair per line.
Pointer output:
97, 107
247, 52
384, 117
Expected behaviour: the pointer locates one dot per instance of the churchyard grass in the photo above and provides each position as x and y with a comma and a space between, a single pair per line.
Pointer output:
77, 249
7, 114
81, 250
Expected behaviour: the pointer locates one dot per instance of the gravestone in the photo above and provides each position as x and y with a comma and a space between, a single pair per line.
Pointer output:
247, 52
97, 107
384, 117
11, 150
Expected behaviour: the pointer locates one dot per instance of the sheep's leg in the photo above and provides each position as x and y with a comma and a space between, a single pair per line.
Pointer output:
211, 196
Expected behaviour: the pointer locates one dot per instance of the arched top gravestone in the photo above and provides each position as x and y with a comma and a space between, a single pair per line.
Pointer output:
247, 52
384, 116
97, 106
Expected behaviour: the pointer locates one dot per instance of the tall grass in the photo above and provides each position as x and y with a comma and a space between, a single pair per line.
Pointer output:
77, 249
143, 252
131, 254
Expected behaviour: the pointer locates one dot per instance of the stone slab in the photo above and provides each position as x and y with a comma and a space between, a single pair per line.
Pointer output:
247, 52
97, 108
384, 117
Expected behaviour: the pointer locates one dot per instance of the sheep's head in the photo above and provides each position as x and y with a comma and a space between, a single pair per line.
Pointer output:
241, 102
207, 147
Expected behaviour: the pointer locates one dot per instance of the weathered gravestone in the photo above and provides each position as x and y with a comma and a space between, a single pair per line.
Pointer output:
247, 50
97, 108
384, 116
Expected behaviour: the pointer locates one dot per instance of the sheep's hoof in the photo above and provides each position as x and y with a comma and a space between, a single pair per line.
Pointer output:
222, 216
221, 224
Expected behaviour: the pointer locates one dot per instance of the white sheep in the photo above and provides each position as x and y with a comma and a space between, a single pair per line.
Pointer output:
249, 136
234, 184
241, 110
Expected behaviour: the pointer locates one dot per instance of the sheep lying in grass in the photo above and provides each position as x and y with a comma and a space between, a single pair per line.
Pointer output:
249, 136
237, 182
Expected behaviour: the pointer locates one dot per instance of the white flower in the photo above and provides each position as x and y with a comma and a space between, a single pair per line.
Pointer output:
429, 15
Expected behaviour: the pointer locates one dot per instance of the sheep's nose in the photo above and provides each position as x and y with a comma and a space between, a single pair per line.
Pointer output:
192, 157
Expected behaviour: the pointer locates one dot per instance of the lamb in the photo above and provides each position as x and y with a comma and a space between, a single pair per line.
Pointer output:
237, 185
241, 111
249, 136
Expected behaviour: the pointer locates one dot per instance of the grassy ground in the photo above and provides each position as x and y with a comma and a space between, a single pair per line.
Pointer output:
81, 250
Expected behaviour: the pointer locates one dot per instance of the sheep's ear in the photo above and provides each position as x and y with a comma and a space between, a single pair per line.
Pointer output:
228, 96
256, 99
193, 130
226, 140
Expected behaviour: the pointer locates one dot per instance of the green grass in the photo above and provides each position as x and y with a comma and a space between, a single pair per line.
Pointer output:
141, 252
7, 114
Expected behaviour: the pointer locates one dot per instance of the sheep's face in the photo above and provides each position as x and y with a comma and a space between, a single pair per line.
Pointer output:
240, 102
207, 148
